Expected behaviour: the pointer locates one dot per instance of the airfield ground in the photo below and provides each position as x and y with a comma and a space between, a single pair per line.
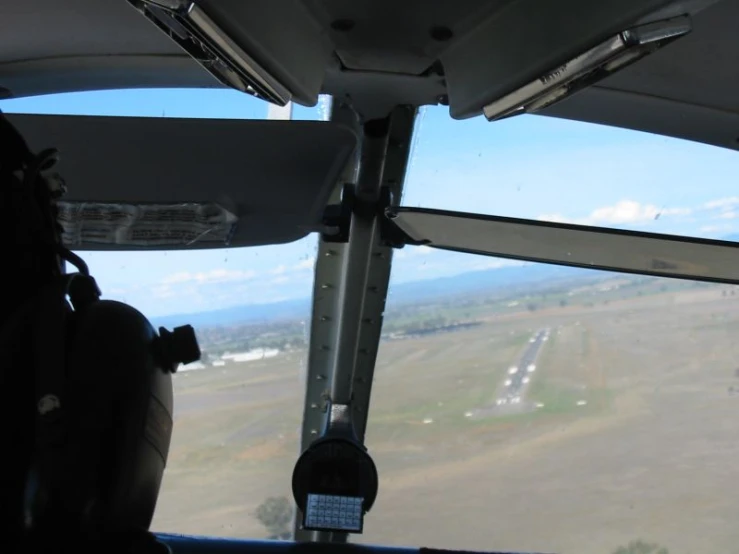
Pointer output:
635, 436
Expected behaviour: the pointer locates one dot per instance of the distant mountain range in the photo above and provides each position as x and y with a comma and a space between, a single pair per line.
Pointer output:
485, 280
405, 293
249, 313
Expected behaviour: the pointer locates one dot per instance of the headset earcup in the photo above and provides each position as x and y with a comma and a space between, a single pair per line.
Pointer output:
120, 422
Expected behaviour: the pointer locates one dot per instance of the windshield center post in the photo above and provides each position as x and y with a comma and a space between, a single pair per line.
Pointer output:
351, 283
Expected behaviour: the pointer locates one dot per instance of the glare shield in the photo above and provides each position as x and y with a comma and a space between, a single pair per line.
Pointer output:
588, 68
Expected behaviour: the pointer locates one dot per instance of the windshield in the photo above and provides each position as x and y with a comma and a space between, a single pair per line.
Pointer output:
531, 407
516, 406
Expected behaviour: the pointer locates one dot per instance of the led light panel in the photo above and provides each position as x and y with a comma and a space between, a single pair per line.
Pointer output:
327, 512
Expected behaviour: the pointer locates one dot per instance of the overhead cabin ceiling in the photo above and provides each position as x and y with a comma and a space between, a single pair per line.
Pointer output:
380, 53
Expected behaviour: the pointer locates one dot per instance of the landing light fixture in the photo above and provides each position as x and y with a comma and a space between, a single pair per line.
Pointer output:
335, 479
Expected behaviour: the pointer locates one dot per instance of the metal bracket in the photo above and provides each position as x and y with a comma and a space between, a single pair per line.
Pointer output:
339, 423
337, 218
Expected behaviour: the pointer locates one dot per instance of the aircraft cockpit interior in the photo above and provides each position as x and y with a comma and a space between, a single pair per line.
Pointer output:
369, 277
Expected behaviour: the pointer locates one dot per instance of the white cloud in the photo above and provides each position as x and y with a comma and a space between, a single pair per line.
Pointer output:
705, 217
722, 208
413, 251
308, 263
163, 291
712, 228
302, 265
209, 277
623, 212
495, 263
629, 211
555, 218
728, 215
722, 203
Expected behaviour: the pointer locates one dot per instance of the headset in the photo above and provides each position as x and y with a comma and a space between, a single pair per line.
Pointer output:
86, 383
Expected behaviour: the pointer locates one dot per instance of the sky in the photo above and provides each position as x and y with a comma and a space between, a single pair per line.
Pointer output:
528, 166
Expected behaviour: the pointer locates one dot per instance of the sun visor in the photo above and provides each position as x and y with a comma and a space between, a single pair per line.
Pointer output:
714, 261
162, 183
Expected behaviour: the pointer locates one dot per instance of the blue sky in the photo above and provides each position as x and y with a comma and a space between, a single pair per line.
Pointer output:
530, 167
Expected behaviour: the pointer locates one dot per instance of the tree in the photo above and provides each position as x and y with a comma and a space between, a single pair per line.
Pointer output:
276, 514
641, 547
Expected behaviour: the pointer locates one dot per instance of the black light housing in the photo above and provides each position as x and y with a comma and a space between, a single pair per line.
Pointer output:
335, 480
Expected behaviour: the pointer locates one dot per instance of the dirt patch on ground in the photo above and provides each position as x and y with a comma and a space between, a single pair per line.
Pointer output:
263, 452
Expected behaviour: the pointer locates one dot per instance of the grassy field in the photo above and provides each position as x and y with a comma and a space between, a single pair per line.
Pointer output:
635, 437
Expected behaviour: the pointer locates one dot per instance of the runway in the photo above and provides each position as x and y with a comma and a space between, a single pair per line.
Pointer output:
520, 374
509, 396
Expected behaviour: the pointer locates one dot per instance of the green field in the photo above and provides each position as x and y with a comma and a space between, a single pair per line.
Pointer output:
634, 439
